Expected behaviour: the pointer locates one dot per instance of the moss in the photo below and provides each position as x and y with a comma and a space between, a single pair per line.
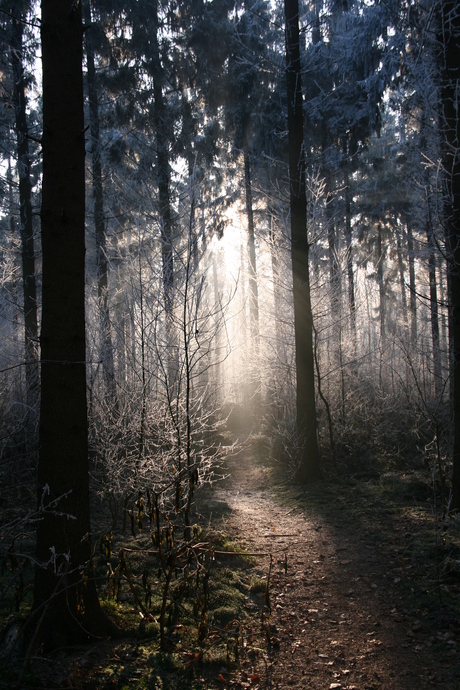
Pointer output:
257, 585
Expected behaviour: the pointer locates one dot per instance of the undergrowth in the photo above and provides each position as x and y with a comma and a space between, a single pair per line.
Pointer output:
183, 607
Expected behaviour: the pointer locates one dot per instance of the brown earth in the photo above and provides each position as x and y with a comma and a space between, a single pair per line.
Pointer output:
342, 614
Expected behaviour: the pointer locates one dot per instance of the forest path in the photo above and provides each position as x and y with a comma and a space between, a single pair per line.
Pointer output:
339, 611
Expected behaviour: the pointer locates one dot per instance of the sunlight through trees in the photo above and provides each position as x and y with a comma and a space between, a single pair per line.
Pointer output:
262, 241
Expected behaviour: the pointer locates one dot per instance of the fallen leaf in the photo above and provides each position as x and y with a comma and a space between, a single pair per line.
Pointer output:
221, 679
255, 678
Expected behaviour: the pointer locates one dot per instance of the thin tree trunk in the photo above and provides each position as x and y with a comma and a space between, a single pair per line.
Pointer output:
253, 291
350, 275
108, 367
309, 468
273, 395
402, 282
381, 283
382, 300
192, 197
218, 337
412, 286
14, 282
433, 305
164, 203
163, 174
26, 224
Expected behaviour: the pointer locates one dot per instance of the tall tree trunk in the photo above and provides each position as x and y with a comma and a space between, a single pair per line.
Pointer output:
350, 275
279, 349
309, 468
382, 299
108, 367
252, 283
434, 317
402, 282
448, 51
14, 283
65, 598
193, 204
26, 224
380, 280
164, 202
253, 291
413, 295
218, 335
431, 266
163, 173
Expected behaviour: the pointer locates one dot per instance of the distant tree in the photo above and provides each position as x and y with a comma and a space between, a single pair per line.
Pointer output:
65, 598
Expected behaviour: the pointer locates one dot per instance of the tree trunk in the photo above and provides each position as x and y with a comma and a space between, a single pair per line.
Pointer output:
448, 51
402, 282
380, 280
26, 224
253, 292
65, 598
434, 317
309, 468
108, 367
413, 295
164, 203
163, 173
348, 239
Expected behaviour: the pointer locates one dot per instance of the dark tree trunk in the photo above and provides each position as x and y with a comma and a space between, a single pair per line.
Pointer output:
449, 50
65, 598
309, 468
26, 222
108, 367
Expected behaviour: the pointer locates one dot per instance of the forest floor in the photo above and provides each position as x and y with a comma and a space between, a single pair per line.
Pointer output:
350, 584
361, 594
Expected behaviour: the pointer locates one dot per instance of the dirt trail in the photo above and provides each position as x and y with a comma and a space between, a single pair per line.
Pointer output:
337, 619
